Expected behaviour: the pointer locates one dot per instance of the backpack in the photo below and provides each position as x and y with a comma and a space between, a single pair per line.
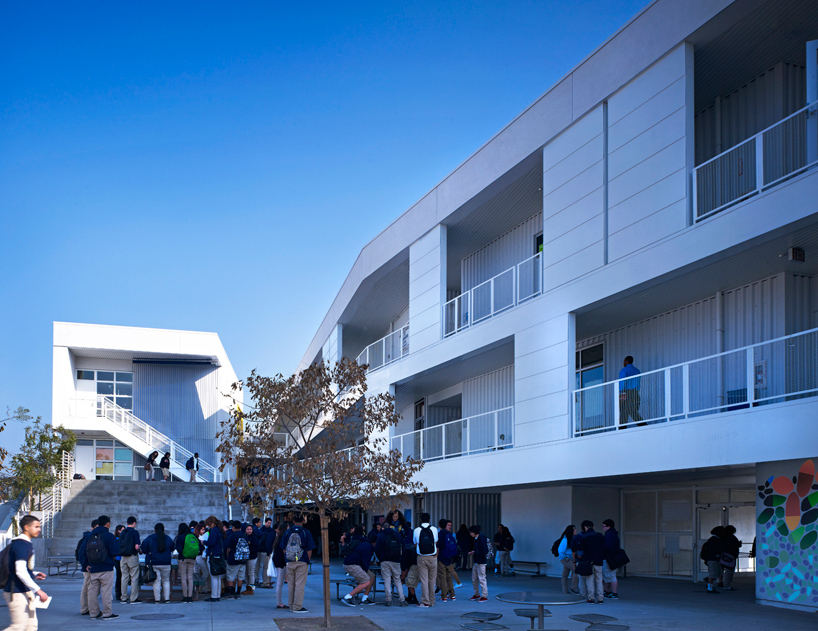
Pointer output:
126, 546
4, 565
95, 550
508, 543
449, 546
295, 548
555, 547
190, 549
77, 550
349, 548
426, 541
395, 546
242, 551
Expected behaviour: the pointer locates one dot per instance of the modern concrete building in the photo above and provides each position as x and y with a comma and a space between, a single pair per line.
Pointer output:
128, 391
660, 201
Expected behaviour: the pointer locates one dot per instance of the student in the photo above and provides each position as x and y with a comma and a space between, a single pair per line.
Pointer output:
129, 542
591, 544
236, 552
464, 546
446, 550
373, 534
425, 539
164, 465
504, 548
201, 561
150, 465
280, 564
214, 551
730, 547
711, 554
389, 550
158, 549
97, 554
252, 541
118, 567
297, 553
357, 551
609, 582
20, 589
187, 548
566, 558
479, 554
266, 537
86, 576
192, 466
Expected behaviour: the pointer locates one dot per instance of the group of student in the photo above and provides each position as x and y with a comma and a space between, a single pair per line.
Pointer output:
423, 557
219, 556
720, 553
587, 555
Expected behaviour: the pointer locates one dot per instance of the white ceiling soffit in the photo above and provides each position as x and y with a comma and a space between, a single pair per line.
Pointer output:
106, 353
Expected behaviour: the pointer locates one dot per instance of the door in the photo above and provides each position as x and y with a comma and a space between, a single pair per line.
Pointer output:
84, 460
740, 515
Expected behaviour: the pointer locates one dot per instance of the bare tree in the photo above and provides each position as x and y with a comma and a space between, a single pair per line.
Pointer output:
315, 442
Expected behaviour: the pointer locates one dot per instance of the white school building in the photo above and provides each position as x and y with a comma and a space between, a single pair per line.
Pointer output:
659, 201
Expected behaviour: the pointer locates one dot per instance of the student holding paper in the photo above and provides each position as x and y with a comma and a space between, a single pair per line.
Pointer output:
21, 591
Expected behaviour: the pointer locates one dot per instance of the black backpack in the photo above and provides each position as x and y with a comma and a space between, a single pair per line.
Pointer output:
126, 546
95, 550
77, 549
555, 547
426, 541
4, 565
394, 549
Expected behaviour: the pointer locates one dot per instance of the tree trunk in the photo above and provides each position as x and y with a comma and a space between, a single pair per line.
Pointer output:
325, 562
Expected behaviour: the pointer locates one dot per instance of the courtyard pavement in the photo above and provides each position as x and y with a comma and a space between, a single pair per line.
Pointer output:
644, 604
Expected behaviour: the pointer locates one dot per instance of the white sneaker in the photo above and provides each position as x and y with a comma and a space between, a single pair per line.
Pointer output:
456, 585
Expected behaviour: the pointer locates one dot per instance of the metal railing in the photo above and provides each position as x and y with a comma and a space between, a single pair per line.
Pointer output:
761, 161
477, 434
778, 370
156, 440
504, 291
386, 350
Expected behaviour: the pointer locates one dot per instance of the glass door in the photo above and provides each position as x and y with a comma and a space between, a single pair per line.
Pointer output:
590, 408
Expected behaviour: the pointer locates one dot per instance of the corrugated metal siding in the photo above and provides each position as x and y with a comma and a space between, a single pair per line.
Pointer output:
489, 392
752, 314
440, 414
799, 303
773, 95
504, 252
481, 509
181, 401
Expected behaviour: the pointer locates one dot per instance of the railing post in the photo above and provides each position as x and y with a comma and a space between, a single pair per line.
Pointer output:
616, 402
468, 435
695, 195
751, 377
443, 439
421, 443
496, 437
491, 297
686, 389
759, 162
668, 398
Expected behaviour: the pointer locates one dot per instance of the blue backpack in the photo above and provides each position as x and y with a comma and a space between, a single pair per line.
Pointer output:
449, 546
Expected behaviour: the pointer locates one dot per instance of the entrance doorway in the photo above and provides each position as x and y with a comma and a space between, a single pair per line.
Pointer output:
742, 515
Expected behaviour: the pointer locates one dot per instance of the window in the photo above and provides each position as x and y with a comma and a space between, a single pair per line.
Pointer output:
85, 375
113, 460
117, 387
420, 414
538, 243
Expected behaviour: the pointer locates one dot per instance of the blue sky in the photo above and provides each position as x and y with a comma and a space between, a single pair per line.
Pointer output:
218, 167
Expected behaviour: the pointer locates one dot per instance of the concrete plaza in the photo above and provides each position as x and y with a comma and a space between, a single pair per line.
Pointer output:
645, 604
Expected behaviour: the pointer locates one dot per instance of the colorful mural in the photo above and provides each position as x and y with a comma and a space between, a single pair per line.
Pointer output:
787, 556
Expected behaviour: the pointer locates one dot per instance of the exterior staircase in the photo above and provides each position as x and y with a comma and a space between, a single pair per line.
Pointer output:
170, 503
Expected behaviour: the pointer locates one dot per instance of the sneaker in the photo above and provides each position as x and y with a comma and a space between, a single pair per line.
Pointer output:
606, 594
302, 610
452, 597
166, 602
113, 616
599, 602
482, 599
388, 603
237, 596
97, 617
403, 603
590, 601
456, 585
475, 597
368, 601
444, 599
85, 613
614, 596
573, 591
248, 591
347, 601
423, 605
212, 600
136, 602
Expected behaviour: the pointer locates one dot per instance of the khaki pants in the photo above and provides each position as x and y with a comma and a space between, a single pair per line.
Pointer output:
201, 563
568, 567
297, 581
251, 573
390, 574
21, 610
478, 580
593, 584
186, 567
192, 473
130, 576
102, 583
445, 575
427, 572
262, 565
86, 580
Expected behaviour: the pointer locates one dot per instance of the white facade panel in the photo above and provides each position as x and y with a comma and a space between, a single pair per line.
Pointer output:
650, 170
583, 158
427, 292
649, 114
489, 392
639, 206
646, 231
583, 131
568, 191
661, 135
574, 266
576, 240
576, 214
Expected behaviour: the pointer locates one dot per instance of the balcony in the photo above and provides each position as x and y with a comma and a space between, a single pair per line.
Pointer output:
464, 437
760, 162
386, 350
779, 370
506, 290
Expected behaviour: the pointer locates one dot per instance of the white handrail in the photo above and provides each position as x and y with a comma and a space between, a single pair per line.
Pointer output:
384, 351
156, 440
765, 372
494, 297
479, 433
755, 174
